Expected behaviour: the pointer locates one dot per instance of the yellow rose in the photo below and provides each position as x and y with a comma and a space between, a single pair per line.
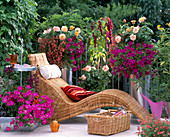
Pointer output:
71, 27
64, 28
142, 19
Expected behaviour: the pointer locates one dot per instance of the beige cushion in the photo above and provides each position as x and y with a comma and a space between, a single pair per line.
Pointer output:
50, 71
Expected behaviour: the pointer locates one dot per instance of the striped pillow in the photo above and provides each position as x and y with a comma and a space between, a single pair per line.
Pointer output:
76, 93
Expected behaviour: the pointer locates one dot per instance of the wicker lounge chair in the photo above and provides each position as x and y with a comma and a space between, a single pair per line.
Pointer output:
65, 108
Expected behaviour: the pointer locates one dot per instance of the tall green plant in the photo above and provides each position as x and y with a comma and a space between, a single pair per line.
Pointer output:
17, 19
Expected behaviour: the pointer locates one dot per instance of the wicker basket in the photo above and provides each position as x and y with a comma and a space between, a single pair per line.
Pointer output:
104, 124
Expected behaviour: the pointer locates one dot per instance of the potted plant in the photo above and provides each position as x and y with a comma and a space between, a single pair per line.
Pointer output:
28, 108
153, 128
62, 46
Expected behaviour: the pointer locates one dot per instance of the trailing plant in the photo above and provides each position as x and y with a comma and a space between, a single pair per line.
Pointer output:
132, 52
63, 47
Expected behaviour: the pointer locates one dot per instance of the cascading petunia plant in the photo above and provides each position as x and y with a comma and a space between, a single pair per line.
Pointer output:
132, 52
62, 46
28, 107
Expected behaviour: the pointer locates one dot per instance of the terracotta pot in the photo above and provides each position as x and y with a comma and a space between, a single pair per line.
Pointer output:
54, 126
13, 59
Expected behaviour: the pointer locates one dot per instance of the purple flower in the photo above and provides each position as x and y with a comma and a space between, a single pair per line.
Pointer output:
131, 49
112, 61
142, 64
152, 75
152, 53
71, 58
148, 51
19, 88
113, 72
78, 67
140, 74
147, 72
82, 61
74, 62
74, 68
137, 45
137, 76
133, 54
150, 46
121, 56
0, 96
75, 44
28, 86
136, 51
69, 39
130, 43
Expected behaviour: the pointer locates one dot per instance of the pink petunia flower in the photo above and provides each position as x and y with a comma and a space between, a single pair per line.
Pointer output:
19, 88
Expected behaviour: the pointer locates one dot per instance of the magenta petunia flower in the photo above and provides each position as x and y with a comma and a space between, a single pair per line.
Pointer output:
28, 86
20, 124
25, 117
72, 58
7, 59
8, 129
82, 61
0, 95
74, 68
69, 39
15, 127
19, 88
78, 67
44, 121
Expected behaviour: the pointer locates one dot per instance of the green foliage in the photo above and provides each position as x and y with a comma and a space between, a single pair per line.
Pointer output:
95, 79
86, 8
17, 19
156, 11
161, 82
119, 12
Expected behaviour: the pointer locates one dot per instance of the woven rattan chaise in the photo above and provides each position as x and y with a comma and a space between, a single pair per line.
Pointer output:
65, 108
